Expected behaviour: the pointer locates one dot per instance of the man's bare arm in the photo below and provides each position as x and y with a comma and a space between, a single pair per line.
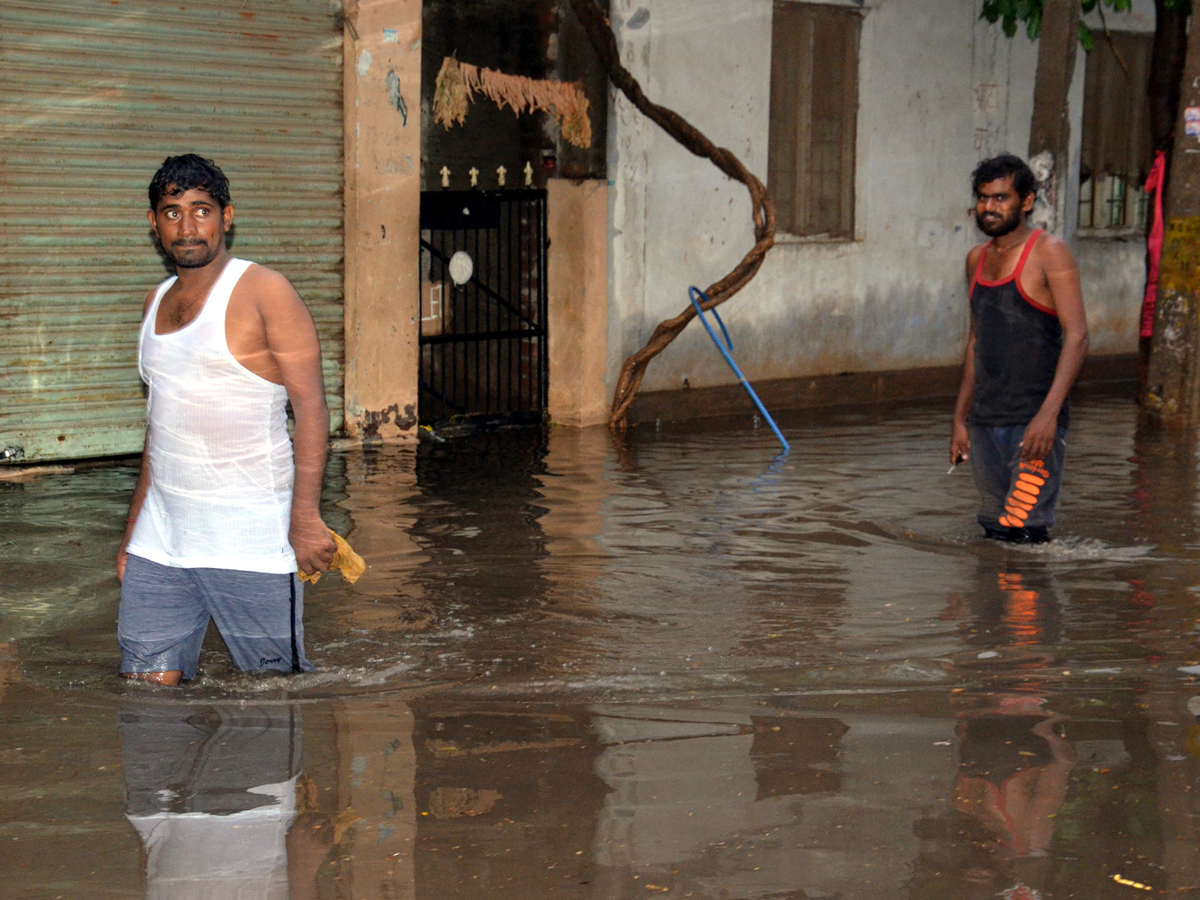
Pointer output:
960, 441
1062, 280
142, 486
291, 339
135, 508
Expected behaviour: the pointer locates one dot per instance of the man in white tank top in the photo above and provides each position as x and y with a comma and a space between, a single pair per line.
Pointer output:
226, 507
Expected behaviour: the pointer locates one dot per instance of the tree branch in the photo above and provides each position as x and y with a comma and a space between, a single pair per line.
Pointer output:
600, 33
1112, 44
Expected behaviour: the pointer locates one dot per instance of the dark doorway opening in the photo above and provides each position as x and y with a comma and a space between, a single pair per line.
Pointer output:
483, 314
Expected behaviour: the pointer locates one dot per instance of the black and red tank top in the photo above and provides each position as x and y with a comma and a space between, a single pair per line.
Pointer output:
1017, 345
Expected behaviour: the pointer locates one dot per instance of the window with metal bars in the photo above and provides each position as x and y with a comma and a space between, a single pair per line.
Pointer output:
1115, 156
814, 108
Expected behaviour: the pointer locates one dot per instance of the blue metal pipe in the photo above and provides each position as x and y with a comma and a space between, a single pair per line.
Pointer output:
696, 296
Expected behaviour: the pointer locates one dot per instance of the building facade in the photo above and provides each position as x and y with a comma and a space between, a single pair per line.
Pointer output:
865, 120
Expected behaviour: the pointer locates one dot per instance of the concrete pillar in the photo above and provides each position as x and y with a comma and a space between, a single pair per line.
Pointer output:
577, 222
382, 80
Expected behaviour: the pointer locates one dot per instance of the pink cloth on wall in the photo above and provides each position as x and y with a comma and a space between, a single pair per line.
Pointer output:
1154, 242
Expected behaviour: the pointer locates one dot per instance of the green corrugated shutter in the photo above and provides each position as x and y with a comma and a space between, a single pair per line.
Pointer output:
93, 95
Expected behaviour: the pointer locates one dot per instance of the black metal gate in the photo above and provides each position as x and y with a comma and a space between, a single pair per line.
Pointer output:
483, 306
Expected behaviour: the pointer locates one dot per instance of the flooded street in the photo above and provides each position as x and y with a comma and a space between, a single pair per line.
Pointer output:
681, 668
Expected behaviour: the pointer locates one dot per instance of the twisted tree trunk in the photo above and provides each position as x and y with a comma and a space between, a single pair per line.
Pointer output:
1171, 391
1050, 127
1163, 91
600, 33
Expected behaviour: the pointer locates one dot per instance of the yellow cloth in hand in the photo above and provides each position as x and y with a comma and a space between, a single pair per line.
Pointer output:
344, 558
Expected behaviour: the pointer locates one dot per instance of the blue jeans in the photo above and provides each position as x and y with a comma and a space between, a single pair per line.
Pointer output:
1012, 493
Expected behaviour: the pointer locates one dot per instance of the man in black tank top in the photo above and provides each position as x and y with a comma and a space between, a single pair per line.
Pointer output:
1027, 340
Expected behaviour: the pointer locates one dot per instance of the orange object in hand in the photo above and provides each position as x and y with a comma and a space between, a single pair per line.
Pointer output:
345, 560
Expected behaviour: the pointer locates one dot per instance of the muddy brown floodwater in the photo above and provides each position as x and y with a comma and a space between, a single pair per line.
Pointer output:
684, 668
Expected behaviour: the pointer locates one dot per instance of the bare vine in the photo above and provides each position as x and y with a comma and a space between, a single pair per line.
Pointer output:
604, 42
1112, 43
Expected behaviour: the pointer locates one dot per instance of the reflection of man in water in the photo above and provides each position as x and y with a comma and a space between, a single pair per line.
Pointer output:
1020, 611
226, 503
1027, 339
1014, 762
211, 792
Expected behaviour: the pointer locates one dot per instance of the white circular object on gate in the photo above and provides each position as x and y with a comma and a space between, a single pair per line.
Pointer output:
461, 268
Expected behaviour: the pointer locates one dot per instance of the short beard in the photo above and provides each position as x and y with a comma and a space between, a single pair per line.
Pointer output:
191, 262
1003, 227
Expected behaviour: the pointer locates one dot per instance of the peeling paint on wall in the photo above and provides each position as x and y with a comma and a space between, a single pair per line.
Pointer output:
373, 420
394, 95
364, 63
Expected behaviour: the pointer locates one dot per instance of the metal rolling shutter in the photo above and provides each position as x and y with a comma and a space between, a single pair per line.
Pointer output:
93, 95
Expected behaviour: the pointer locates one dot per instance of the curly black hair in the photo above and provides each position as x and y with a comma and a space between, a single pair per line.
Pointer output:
1003, 166
182, 173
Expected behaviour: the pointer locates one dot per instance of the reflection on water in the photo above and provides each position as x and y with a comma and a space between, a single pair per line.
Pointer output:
676, 666
1014, 763
1015, 607
211, 793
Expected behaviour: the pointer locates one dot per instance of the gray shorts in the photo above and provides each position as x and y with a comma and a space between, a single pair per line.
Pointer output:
165, 611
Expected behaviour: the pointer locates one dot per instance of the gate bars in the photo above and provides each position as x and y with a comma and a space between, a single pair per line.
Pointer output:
483, 317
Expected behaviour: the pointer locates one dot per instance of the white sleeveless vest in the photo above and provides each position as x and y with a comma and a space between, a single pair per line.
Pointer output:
221, 464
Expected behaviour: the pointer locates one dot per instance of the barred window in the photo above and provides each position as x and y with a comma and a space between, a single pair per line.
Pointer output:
1116, 152
814, 108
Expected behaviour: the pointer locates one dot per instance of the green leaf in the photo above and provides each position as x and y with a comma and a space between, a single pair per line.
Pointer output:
991, 11
1011, 12
1085, 37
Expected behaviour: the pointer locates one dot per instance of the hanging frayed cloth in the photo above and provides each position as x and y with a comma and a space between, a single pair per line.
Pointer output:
1154, 243
457, 83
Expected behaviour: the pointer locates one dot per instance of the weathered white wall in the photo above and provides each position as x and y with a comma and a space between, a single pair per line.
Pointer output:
938, 90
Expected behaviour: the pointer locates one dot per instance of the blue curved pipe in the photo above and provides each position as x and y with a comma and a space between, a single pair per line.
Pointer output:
696, 296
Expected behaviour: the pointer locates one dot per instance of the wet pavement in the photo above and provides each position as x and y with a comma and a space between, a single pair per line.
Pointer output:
679, 667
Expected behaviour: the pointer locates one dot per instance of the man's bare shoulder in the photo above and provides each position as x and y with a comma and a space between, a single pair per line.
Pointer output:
263, 281
1052, 253
973, 257
268, 293
267, 324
